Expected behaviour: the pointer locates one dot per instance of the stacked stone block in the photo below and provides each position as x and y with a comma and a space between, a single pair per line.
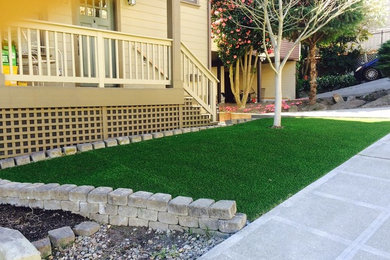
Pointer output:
123, 207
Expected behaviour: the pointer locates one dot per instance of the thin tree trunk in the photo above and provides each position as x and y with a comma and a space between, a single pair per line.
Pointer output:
313, 73
278, 91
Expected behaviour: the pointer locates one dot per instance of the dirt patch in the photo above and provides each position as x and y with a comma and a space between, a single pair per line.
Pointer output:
35, 223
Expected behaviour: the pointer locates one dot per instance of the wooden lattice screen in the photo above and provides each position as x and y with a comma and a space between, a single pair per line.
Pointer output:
27, 130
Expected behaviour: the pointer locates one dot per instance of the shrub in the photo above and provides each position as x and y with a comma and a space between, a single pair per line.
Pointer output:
328, 83
384, 58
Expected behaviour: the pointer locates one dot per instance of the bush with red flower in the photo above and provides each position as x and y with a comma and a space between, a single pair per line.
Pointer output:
239, 45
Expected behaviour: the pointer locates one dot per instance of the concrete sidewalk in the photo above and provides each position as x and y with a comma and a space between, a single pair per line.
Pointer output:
343, 215
377, 112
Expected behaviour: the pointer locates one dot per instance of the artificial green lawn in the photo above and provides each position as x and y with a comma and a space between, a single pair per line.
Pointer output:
251, 163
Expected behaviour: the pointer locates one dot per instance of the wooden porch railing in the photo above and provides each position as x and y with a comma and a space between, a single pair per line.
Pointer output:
198, 81
49, 52
81, 56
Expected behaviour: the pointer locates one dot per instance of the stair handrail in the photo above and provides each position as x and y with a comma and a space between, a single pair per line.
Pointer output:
208, 99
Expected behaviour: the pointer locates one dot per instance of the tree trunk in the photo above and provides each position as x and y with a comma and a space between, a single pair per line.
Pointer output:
313, 73
278, 91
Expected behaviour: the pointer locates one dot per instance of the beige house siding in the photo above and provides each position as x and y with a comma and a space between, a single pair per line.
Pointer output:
194, 27
147, 17
61, 12
268, 80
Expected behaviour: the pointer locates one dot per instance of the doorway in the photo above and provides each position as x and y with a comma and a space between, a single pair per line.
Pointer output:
97, 14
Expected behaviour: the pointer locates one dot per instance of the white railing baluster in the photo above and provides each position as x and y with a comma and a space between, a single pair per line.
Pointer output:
30, 65
130, 46
81, 58
142, 62
147, 57
56, 53
136, 59
169, 63
159, 61
10, 52
89, 55
153, 62
95, 39
65, 73
164, 52
110, 57
20, 55
116, 59
123, 60
47, 49
101, 60
73, 61
39, 52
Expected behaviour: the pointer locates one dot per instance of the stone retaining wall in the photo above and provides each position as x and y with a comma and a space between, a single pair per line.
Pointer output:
123, 207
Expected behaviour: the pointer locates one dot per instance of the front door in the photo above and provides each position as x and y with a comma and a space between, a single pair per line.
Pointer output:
97, 14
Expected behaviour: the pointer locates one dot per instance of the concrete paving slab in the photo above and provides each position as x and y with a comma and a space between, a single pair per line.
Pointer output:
380, 240
380, 150
343, 215
277, 240
363, 255
330, 215
372, 191
368, 166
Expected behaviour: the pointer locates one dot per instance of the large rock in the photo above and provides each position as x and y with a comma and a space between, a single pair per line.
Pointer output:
348, 105
315, 107
338, 98
14, 246
380, 102
375, 95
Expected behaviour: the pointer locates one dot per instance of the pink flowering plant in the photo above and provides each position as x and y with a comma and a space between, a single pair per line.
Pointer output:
239, 45
261, 108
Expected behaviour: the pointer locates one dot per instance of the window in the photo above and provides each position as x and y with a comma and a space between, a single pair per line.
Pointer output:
195, 2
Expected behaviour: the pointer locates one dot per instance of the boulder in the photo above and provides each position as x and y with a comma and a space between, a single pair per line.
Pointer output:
380, 102
338, 98
293, 108
14, 246
375, 95
326, 101
348, 105
315, 107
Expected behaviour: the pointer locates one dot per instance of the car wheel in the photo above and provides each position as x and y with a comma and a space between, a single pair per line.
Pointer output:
371, 74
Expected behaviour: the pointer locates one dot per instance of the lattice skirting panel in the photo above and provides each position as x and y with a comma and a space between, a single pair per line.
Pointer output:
28, 130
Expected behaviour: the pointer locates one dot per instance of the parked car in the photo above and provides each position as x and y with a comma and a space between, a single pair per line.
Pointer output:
368, 71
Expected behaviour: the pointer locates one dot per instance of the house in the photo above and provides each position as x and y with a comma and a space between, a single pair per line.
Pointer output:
88, 70
264, 80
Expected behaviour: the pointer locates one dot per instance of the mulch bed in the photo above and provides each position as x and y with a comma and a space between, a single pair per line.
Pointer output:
35, 223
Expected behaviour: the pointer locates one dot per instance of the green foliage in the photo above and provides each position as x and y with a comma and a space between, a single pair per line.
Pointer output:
384, 59
328, 83
250, 163
233, 32
336, 59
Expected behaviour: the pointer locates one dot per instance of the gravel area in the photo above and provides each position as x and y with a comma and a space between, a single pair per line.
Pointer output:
139, 243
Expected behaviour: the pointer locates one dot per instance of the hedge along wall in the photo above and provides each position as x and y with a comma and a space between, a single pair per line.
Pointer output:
123, 207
